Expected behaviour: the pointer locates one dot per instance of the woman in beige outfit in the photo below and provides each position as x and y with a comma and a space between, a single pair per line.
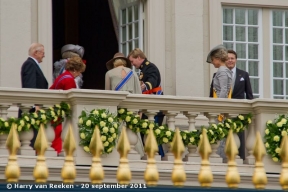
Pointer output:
119, 69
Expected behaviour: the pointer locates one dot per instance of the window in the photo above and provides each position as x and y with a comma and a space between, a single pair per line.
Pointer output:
241, 29
279, 55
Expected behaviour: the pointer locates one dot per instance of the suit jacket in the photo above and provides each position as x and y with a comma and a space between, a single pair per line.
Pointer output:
241, 86
32, 76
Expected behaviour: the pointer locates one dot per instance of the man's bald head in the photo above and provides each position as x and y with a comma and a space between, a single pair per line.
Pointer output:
36, 51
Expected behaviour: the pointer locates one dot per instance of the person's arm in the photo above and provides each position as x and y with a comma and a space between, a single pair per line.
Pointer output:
223, 83
107, 82
153, 76
248, 89
137, 88
29, 75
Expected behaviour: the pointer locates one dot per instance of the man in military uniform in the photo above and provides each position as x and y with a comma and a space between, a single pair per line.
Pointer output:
150, 80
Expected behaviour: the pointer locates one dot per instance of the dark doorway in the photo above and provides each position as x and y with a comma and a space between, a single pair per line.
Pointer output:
87, 23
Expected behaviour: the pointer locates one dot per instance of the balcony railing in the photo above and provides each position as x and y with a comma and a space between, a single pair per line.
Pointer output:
190, 109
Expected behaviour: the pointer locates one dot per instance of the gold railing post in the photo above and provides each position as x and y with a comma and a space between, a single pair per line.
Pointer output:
123, 172
177, 148
232, 175
12, 171
259, 176
205, 176
68, 172
151, 174
284, 159
40, 172
96, 148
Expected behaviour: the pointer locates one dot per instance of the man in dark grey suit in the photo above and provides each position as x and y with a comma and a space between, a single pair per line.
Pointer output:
32, 75
241, 89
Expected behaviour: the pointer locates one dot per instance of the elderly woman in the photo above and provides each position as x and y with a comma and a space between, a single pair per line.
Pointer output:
120, 77
73, 68
221, 82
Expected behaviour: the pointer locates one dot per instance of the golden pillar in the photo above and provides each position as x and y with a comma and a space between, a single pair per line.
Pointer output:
12, 171
151, 174
123, 172
40, 172
96, 148
284, 159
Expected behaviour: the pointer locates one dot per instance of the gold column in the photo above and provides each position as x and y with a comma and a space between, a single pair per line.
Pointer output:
151, 174
259, 176
123, 172
177, 148
40, 172
12, 171
232, 175
96, 148
284, 159
68, 172
205, 176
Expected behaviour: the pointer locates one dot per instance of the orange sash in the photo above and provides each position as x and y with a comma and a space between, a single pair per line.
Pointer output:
154, 90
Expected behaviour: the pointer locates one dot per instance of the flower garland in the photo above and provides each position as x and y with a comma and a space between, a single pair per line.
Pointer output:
163, 134
274, 132
55, 115
108, 125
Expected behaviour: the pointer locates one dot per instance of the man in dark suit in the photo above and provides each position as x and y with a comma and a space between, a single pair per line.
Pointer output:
32, 75
241, 89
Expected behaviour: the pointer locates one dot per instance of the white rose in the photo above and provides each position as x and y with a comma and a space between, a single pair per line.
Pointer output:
42, 111
82, 136
115, 125
168, 133
80, 121
121, 111
161, 127
43, 117
86, 148
110, 139
151, 126
88, 123
135, 121
6, 124
105, 130
144, 125
128, 119
32, 122
28, 126
241, 117
106, 144
112, 130
129, 113
284, 121
184, 136
52, 113
227, 125
192, 139
96, 112
103, 138
157, 131
110, 119
19, 128
249, 120
22, 123
102, 124
37, 122
114, 135
214, 125
278, 150
212, 133
26, 118
35, 115
279, 124
63, 113
276, 138
58, 106
275, 159
165, 140
269, 122
267, 145
103, 115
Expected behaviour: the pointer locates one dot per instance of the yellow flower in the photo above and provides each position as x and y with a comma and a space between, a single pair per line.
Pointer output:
82, 136
227, 125
19, 128
68, 105
32, 122
52, 113
165, 140
241, 117
114, 135
184, 136
43, 117
96, 112
63, 113
55, 119
213, 140
147, 131
128, 119
58, 112
130, 127
144, 125
157, 131
168, 133
22, 123
86, 148
269, 122
88, 123
28, 126
220, 130
279, 124
80, 121
267, 145
276, 138
249, 120
192, 139
110, 139
110, 119
278, 150
106, 144
220, 124
223, 135
58, 106
237, 130
161, 127
135, 121
151, 126
103, 138
235, 126
103, 115
105, 130
212, 133
109, 150
115, 125
229, 120
129, 113
51, 108
35, 115
112, 130
121, 111
194, 130
275, 159
283, 121
283, 133
37, 122
214, 125
42, 111
26, 118
102, 124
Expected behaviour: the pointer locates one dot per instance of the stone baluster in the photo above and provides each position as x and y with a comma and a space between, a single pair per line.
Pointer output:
236, 139
26, 136
13, 110
151, 114
171, 125
249, 143
4, 110
214, 157
192, 156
